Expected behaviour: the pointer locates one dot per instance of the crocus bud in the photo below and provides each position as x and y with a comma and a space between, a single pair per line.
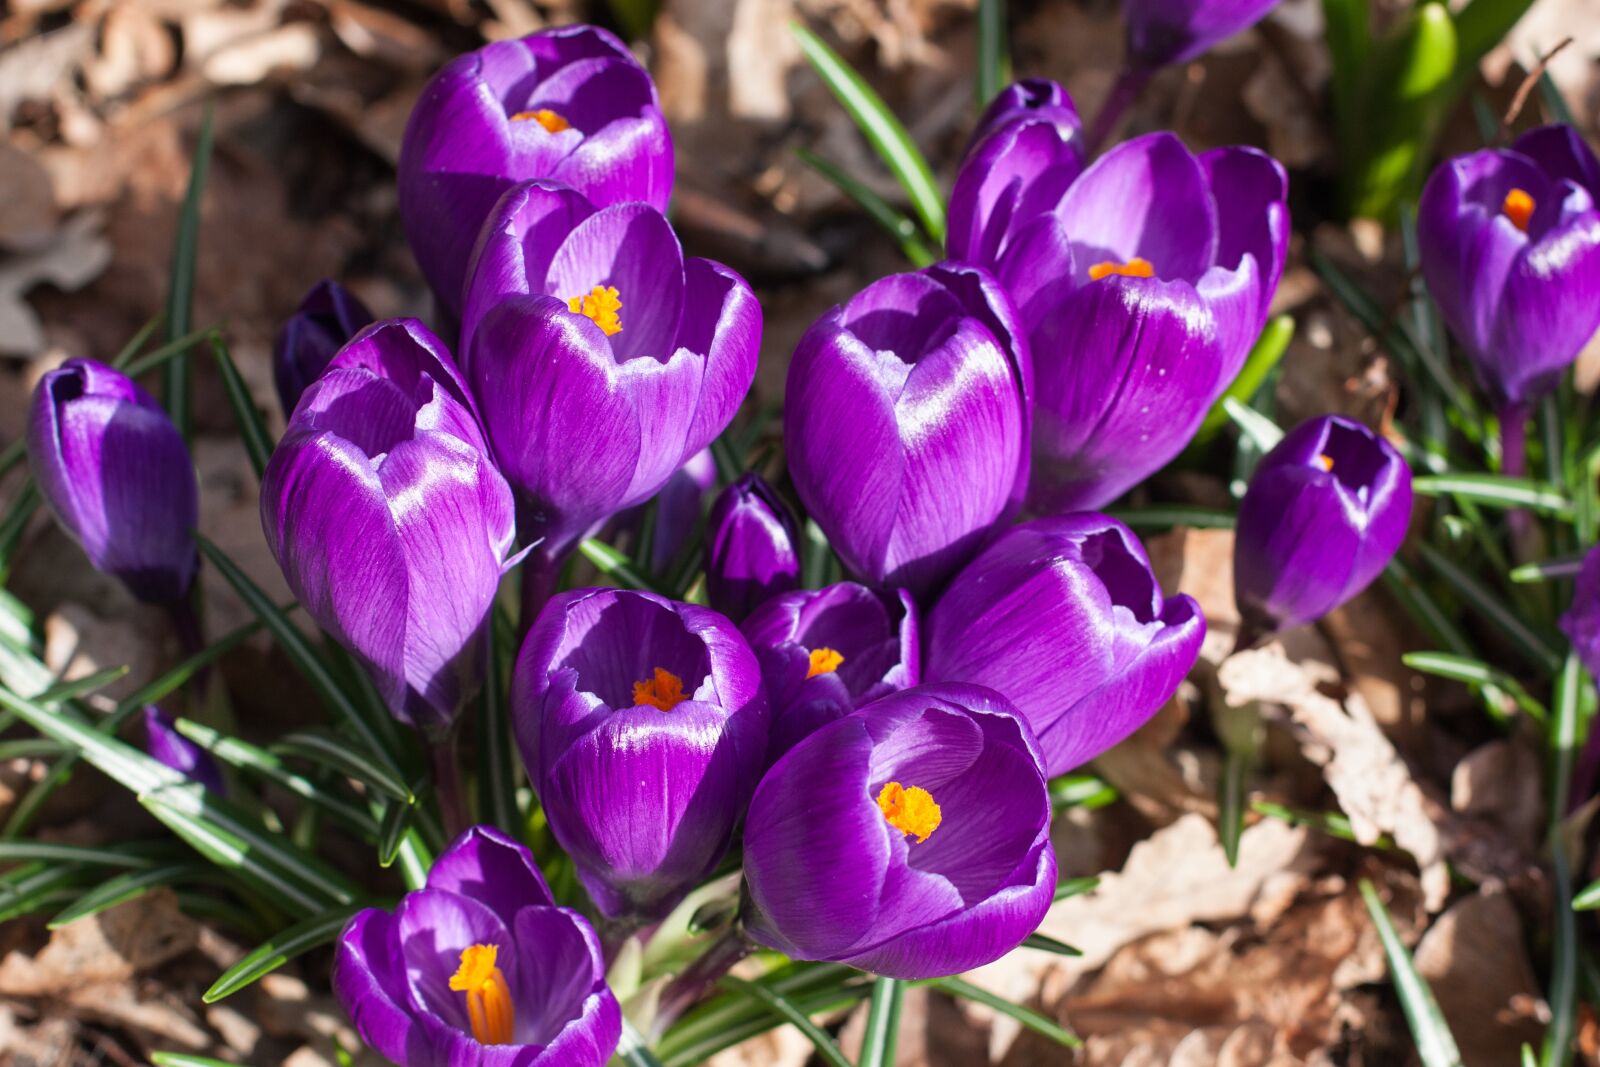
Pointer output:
1063, 616
906, 423
752, 551
569, 104
390, 522
910, 839
1325, 511
166, 745
1161, 32
478, 967
826, 652
602, 359
643, 726
323, 323
1581, 623
1026, 151
118, 477
1142, 292
1510, 248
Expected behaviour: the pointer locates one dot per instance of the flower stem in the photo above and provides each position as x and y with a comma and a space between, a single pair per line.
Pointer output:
1514, 464
1130, 83
691, 984
441, 748
541, 571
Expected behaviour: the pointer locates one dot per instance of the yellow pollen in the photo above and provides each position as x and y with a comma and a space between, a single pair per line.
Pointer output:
544, 117
1137, 267
824, 661
1518, 207
488, 997
600, 304
664, 691
911, 811
1325, 461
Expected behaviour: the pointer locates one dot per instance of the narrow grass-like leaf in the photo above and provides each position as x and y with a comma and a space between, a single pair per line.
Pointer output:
614, 565
1265, 354
633, 1050
1166, 516
184, 1059
730, 1018
780, 1005
1333, 823
138, 855
885, 214
264, 764
1548, 570
1492, 607
1050, 944
280, 949
1072, 887
252, 430
1475, 672
1262, 431
497, 763
180, 282
1528, 1058
392, 829
1556, 1050
140, 338
1399, 579
882, 129
15, 523
38, 886
1497, 491
165, 354
31, 748
1588, 899
79, 686
1080, 791
119, 762
125, 887
1231, 788
958, 987
883, 1024
994, 69
1435, 1046
335, 753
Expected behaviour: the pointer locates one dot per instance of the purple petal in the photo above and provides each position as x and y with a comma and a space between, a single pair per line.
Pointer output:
631, 248
487, 866
722, 322
1162, 32
370, 980
165, 744
1250, 189
1015, 175
1561, 152
433, 929
1581, 623
559, 967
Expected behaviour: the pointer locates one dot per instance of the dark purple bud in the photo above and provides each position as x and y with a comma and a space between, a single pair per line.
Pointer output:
478, 967
325, 320
118, 477
166, 745
1324, 514
1175, 31
752, 548
1064, 617
910, 838
643, 726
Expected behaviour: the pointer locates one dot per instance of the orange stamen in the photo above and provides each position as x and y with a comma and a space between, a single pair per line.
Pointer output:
1325, 461
824, 661
545, 117
1137, 267
600, 304
1518, 207
911, 811
664, 691
489, 1008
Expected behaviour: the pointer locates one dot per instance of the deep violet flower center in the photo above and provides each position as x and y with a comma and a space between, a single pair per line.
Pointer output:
663, 691
824, 661
1137, 267
488, 996
600, 304
1518, 207
911, 811
552, 122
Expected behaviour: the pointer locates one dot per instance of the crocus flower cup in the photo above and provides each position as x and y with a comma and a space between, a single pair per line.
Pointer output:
1064, 617
910, 838
390, 522
1325, 512
478, 969
328, 316
602, 358
826, 652
752, 548
1510, 248
570, 105
906, 423
1161, 32
118, 477
1141, 292
643, 726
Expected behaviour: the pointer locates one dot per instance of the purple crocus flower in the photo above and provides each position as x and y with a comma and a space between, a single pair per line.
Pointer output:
1026, 151
1581, 623
906, 423
1063, 616
388, 518
826, 652
643, 725
1510, 247
167, 746
570, 104
1161, 32
1142, 292
326, 319
479, 968
118, 477
910, 838
752, 548
602, 359
1325, 511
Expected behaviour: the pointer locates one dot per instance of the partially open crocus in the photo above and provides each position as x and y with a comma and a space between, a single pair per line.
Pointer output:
165, 744
910, 838
389, 519
1510, 248
643, 725
118, 477
569, 104
1026, 151
1064, 617
1325, 511
602, 359
1142, 292
826, 652
1160, 32
326, 319
906, 423
479, 967
752, 548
